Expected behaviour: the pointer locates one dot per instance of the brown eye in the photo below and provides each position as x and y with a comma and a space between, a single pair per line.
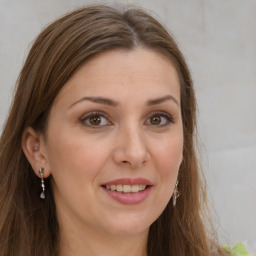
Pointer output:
95, 120
155, 120
160, 119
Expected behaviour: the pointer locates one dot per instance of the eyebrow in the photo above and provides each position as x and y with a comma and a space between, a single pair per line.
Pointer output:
99, 100
161, 100
112, 103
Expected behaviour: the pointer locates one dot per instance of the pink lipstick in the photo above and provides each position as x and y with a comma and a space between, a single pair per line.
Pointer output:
128, 190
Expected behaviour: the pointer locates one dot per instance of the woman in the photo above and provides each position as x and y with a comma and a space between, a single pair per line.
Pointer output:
102, 127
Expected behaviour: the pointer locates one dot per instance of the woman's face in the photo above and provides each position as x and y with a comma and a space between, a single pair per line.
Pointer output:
114, 142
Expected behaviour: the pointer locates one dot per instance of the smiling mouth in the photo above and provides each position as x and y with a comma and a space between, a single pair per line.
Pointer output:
126, 188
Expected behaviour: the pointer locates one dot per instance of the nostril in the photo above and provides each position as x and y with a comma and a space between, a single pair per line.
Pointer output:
130, 157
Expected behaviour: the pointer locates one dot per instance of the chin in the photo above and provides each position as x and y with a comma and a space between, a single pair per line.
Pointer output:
130, 226
128, 231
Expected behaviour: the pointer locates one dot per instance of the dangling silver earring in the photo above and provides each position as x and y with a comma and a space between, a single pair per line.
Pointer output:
41, 173
175, 193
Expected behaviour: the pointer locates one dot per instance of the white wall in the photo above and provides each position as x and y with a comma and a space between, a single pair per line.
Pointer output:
219, 41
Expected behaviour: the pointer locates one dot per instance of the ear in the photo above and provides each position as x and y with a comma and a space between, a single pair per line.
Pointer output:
33, 146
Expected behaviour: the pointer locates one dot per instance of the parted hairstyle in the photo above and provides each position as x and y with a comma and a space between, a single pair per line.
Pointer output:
28, 225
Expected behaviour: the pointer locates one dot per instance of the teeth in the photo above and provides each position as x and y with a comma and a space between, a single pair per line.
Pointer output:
135, 188
127, 188
119, 188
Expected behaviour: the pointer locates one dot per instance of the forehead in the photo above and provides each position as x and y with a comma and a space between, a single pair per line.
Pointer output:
134, 71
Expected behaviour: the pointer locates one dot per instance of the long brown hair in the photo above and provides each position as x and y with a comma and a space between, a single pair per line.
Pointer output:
28, 226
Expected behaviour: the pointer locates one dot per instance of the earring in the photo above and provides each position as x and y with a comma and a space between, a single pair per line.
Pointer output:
175, 193
41, 173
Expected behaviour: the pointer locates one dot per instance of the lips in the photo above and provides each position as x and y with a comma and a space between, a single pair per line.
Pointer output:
127, 190
129, 181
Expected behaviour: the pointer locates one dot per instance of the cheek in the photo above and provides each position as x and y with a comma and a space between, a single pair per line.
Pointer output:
168, 157
167, 160
75, 164
169, 153
73, 158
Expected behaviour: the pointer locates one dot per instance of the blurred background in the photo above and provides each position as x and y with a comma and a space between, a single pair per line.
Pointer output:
218, 39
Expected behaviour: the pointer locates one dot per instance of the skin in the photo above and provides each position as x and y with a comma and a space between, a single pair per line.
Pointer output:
133, 139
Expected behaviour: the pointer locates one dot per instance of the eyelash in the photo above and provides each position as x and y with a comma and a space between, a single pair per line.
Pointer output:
85, 119
168, 117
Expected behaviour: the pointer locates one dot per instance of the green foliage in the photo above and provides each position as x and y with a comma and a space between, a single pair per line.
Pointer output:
238, 250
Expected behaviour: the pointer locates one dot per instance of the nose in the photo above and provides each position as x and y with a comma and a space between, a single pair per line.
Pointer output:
131, 148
